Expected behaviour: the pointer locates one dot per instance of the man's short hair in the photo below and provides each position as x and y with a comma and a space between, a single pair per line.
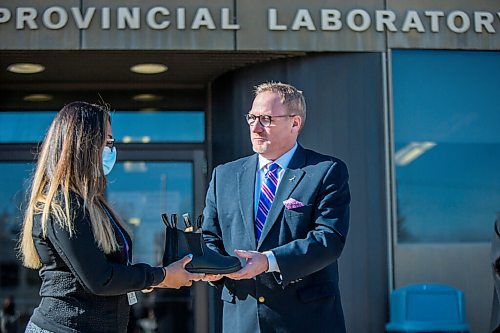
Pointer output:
291, 98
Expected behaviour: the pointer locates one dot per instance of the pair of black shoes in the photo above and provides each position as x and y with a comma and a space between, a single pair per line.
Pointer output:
180, 243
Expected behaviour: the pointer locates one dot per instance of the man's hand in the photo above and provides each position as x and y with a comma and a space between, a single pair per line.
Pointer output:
212, 277
257, 263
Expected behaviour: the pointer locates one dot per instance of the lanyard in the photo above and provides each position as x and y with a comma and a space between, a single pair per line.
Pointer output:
121, 233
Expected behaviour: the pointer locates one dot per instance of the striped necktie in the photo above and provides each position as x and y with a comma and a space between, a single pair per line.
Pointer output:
267, 192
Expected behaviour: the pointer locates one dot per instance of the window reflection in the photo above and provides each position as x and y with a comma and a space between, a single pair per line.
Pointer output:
17, 127
140, 192
168, 126
134, 127
23, 284
447, 145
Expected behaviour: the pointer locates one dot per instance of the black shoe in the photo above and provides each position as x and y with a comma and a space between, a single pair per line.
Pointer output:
179, 243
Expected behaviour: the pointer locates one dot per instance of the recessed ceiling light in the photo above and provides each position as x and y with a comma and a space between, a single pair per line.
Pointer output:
25, 68
37, 98
149, 68
146, 97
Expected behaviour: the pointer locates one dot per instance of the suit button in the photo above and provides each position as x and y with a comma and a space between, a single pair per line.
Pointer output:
262, 299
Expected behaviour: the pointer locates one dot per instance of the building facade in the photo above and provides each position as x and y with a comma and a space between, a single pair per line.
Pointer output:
405, 92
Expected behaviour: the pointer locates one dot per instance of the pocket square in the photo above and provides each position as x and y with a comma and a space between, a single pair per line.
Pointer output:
292, 203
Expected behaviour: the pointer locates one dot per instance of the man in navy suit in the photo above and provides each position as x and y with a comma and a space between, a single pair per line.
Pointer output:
285, 212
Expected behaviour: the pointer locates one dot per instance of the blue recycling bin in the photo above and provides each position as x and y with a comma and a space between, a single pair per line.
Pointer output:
427, 308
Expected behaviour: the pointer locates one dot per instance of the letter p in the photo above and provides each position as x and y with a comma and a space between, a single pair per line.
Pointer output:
5, 15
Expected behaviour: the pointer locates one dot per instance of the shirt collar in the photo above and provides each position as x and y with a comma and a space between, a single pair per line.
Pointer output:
282, 161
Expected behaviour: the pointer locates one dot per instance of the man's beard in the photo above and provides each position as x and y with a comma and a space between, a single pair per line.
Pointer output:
260, 148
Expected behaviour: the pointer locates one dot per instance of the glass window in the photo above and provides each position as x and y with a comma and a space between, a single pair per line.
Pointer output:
14, 280
133, 126
159, 126
447, 144
141, 191
14, 178
19, 127
9, 275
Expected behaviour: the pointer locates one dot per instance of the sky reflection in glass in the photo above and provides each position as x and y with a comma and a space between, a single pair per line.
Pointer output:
141, 191
132, 126
451, 192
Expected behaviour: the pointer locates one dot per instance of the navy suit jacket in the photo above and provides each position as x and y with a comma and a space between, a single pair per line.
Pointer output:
306, 241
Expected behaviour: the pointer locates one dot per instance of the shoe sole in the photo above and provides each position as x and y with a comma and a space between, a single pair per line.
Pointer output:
214, 271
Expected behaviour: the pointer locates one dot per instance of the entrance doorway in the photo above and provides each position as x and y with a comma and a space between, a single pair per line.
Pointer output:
142, 186
162, 129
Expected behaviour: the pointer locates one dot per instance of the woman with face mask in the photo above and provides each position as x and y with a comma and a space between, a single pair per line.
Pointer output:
74, 237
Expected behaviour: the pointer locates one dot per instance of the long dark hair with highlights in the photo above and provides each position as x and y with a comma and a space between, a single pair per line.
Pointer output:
70, 160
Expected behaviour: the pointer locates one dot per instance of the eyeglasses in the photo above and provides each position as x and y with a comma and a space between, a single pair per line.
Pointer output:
110, 143
265, 120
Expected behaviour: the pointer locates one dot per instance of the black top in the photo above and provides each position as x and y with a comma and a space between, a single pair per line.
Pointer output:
83, 289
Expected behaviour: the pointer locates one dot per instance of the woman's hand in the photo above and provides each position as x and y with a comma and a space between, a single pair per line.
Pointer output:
176, 275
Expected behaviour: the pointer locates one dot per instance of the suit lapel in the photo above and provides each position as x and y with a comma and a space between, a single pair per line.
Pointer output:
291, 178
246, 193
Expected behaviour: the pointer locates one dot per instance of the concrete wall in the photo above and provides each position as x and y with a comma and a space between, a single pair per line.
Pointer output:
242, 25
